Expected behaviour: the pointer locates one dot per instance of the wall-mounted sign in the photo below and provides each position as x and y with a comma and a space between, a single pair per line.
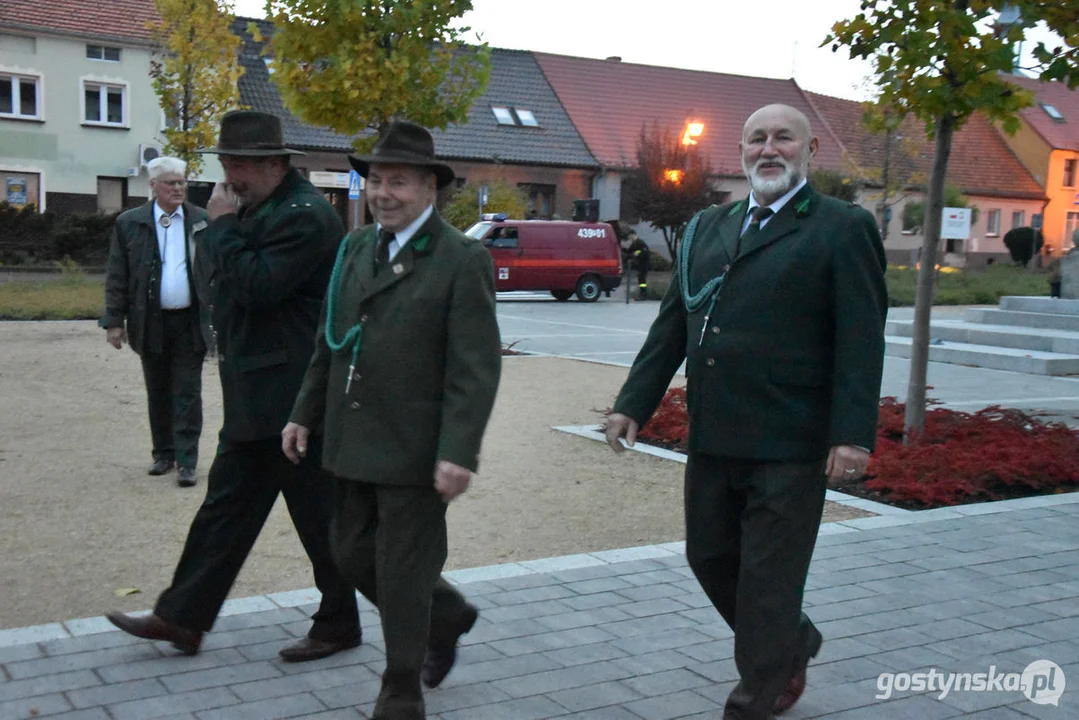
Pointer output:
16, 191
337, 180
955, 224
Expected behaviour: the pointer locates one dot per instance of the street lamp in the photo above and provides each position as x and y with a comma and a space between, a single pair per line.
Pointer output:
694, 129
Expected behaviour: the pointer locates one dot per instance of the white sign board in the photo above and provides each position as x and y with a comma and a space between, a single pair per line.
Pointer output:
355, 182
955, 224
322, 179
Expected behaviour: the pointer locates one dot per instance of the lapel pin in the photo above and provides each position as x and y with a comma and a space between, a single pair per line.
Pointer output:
398, 269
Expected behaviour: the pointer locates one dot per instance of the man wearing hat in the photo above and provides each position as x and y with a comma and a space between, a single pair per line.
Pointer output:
267, 255
406, 366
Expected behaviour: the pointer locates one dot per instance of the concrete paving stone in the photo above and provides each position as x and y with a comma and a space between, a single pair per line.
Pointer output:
999, 713
1053, 629
320, 679
709, 651
88, 626
16, 653
489, 572
596, 600
896, 639
646, 626
664, 683
459, 697
368, 653
32, 634
838, 698
568, 657
643, 552
696, 601
944, 561
1059, 608
82, 661
1062, 652
675, 561
688, 585
823, 675
595, 696
718, 693
953, 608
480, 602
1042, 712
1017, 617
565, 562
216, 677
41, 685
1032, 578
653, 577
592, 572
116, 693
653, 663
477, 653
88, 643
339, 714
582, 618
597, 585
838, 594
533, 594
258, 619
87, 714
860, 625
717, 630
718, 671
636, 567
879, 572
913, 659
846, 562
241, 606
505, 613
300, 628
248, 636
490, 632
985, 644
845, 648
673, 705
526, 582
164, 705
647, 608
283, 707
866, 606
293, 598
611, 712
349, 695
477, 588
509, 667
670, 639
548, 681
969, 701
655, 592
528, 708
34, 707
949, 628
551, 641
172, 665
916, 707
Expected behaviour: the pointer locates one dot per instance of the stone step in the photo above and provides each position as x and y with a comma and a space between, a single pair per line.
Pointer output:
1024, 338
1052, 306
1032, 320
1032, 362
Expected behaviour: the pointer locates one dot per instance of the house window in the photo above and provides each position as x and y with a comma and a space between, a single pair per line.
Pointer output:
1053, 112
1070, 226
1019, 217
514, 116
20, 97
526, 118
104, 104
1069, 173
540, 200
503, 115
992, 223
103, 52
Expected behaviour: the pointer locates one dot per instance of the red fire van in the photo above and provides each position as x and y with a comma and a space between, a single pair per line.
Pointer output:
560, 256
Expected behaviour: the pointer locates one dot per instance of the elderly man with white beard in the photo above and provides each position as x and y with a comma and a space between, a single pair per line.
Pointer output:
777, 304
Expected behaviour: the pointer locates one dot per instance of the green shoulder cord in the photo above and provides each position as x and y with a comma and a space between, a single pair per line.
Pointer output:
355, 333
710, 292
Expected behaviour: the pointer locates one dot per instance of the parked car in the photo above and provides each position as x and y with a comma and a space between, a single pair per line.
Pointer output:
559, 256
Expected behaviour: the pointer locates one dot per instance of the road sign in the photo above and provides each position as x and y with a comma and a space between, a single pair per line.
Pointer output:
355, 182
955, 224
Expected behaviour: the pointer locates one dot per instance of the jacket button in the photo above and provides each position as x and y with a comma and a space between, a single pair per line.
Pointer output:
357, 377
715, 329
354, 405
363, 318
710, 362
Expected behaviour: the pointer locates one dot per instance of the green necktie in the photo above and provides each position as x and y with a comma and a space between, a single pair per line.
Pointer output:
757, 215
382, 249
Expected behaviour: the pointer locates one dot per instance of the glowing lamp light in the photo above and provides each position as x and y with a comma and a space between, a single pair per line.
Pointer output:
673, 176
693, 131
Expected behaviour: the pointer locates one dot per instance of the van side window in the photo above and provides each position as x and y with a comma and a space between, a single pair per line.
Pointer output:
503, 237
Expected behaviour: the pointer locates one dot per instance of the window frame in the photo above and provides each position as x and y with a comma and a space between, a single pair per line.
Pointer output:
15, 80
531, 121
1022, 215
104, 57
1073, 165
506, 117
104, 85
990, 216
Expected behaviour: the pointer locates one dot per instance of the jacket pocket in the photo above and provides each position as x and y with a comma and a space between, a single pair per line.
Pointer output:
798, 375
247, 363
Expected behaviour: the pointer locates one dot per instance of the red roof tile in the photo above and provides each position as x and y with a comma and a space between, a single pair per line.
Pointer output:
610, 100
1061, 135
120, 19
981, 163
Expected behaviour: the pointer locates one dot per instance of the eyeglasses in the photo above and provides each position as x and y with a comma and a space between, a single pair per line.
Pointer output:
173, 183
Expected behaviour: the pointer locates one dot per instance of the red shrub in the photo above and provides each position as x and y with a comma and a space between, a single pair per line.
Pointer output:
992, 454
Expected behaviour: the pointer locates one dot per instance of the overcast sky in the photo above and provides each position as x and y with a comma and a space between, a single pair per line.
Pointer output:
766, 38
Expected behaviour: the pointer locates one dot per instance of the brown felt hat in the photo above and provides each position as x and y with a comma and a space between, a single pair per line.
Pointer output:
247, 132
404, 143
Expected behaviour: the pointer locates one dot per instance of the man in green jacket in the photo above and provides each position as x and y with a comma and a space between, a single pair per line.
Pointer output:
267, 254
153, 302
777, 304
402, 383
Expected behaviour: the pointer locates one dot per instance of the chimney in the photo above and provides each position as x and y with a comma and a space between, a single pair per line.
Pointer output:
615, 58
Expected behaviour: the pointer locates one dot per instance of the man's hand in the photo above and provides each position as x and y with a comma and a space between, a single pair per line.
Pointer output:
846, 463
222, 202
294, 442
451, 480
621, 426
116, 337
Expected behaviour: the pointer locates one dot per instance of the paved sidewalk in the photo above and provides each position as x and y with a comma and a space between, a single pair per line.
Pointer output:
627, 635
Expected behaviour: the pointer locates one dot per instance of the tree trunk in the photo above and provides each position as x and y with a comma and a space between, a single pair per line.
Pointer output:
914, 420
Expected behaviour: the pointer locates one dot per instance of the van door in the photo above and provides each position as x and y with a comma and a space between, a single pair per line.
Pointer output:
504, 245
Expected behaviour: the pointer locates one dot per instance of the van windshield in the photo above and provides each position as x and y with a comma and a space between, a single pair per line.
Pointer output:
478, 230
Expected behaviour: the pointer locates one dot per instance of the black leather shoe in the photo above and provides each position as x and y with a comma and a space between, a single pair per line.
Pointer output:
161, 467
153, 627
797, 683
400, 698
186, 477
442, 650
307, 649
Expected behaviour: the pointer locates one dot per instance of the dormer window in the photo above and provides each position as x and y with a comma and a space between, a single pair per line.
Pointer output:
514, 116
1053, 112
526, 118
503, 115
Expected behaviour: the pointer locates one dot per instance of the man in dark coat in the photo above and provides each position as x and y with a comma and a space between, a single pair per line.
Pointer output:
152, 301
402, 383
777, 304
638, 256
269, 250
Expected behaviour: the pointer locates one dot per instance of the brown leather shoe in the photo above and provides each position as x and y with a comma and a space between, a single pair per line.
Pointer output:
400, 698
152, 627
797, 683
308, 648
442, 650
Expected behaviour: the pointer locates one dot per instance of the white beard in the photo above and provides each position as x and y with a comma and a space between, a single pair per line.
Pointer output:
777, 187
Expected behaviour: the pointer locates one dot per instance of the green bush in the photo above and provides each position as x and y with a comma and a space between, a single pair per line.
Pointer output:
30, 237
462, 211
659, 262
966, 287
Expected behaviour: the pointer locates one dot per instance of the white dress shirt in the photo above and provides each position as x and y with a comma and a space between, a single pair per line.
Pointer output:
401, 239
776, 206
171, 242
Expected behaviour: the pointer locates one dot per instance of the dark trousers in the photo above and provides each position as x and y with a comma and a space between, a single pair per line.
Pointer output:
390, 542
750, 531
174, 390
642, 282
244, 482
1054, 289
